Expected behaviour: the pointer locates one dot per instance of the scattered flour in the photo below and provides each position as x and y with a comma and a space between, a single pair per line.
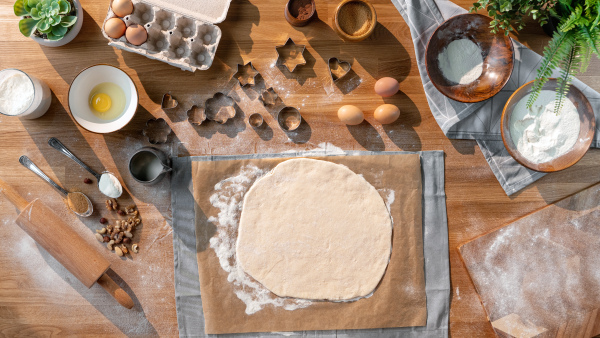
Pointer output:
229, 198
461, 61
16, 94
541, 135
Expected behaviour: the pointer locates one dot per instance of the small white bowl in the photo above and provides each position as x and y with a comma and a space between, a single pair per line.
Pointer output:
79, 93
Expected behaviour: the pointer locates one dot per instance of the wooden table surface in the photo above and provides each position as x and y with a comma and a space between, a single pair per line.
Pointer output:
38, 297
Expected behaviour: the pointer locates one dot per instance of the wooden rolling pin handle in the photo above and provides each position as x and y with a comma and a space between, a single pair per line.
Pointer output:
114, 290
13, 196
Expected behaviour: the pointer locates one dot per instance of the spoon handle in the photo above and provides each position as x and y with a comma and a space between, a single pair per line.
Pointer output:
26, 162
55, 143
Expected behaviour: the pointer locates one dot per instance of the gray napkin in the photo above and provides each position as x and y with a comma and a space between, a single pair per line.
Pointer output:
435, 246
479, 121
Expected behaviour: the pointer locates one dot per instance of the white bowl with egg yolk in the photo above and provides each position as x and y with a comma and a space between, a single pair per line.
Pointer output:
79, 93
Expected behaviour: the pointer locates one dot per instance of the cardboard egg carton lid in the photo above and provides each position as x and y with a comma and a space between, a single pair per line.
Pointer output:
212, 11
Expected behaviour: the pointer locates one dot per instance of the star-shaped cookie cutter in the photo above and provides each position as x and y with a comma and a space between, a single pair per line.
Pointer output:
290, 55
246, 74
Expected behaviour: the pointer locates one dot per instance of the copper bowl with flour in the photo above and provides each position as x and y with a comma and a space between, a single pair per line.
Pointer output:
574, 154
497, 53
354, 20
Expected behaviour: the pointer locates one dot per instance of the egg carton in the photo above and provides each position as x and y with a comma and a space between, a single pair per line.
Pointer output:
179, 40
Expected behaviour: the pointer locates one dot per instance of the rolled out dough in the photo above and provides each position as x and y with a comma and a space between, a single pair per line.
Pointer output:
316, 230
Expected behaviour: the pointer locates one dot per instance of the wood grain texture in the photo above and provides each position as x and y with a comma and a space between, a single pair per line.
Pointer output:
38, 297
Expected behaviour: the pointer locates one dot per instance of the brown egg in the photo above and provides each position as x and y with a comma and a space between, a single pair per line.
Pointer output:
386, 86
136, 34
122, 7
350, 115
386, 113
114, 27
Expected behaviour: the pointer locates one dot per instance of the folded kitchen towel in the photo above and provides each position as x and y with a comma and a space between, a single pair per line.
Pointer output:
479, 121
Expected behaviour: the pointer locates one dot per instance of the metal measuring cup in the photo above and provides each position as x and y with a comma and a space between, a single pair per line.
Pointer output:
148, 165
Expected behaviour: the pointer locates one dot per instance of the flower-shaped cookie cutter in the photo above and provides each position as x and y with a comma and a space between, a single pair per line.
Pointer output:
157, 131
220, 108
269, 97
246, 74
290, 55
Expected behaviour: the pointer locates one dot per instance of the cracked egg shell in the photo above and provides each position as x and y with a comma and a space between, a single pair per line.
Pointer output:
122, 7
136, 34
115, 28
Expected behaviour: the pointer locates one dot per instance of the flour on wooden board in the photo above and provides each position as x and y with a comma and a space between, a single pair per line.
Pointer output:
229, 198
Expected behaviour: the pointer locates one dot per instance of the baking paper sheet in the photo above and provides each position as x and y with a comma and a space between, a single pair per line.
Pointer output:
540, 275
189, 303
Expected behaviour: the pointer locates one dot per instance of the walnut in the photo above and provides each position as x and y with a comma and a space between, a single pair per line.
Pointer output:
112, 204
130, 209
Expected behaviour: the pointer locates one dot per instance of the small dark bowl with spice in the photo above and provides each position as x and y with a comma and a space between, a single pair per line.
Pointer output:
299, 12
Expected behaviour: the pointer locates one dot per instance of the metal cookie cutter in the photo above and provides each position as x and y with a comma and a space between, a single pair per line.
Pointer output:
289, 118
246, 74
338, 69
290, 55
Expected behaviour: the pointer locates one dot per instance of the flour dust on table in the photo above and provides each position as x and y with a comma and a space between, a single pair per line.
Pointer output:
313, 229
461, 61
228, 198
540, 133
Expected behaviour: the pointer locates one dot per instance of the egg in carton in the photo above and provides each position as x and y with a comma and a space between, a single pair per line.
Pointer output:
185, 41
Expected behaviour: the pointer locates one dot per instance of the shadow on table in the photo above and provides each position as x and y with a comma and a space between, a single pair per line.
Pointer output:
402, 132
129, 321
392, 58
61, 58
367, 136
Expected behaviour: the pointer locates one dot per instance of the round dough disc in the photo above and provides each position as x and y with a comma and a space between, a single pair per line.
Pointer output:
316, 230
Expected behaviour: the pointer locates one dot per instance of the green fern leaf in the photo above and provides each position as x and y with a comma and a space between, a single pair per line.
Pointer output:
553, 53
572, 20
569, 66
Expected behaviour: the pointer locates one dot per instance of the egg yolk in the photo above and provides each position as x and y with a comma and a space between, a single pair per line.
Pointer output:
101, 102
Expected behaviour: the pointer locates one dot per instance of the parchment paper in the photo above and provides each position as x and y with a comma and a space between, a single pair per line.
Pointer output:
398, 301
189, 306
541, 273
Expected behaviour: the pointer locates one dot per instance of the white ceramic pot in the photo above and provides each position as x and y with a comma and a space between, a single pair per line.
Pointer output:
70, 34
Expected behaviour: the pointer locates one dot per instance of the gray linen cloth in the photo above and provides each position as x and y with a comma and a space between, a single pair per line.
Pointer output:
479, 121
190, 318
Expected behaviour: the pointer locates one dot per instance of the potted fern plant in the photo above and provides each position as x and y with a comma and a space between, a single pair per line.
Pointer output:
49, 22
576, 38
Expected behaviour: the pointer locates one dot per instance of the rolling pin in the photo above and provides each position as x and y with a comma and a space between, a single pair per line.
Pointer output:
64, 244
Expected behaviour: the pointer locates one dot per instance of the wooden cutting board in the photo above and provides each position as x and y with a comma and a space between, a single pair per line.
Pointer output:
539, 276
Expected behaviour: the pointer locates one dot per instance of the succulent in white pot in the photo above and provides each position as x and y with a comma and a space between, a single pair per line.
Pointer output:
49, 22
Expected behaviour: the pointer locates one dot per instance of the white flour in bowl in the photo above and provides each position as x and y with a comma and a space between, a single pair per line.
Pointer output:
461, 61
541, 135
16, 94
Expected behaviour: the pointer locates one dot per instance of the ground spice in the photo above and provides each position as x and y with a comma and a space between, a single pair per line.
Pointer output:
77, 202
355, 18
301, 9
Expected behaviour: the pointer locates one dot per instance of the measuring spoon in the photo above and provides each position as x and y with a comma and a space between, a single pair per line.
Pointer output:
27, 163
56, 144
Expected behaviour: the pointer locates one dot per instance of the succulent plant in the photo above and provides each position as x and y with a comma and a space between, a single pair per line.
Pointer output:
49, 17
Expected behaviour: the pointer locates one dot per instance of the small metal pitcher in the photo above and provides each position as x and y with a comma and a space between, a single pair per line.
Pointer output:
149, 165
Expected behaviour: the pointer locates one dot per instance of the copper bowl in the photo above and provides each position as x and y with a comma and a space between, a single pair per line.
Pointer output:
586, 131
348, 37
498, 57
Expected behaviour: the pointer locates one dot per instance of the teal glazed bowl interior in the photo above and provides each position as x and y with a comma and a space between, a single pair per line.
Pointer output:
586, 130
497, 51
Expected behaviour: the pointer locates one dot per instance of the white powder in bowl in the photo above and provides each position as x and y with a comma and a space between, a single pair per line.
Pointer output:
541, 135
16, 94
110, 186
461, 61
